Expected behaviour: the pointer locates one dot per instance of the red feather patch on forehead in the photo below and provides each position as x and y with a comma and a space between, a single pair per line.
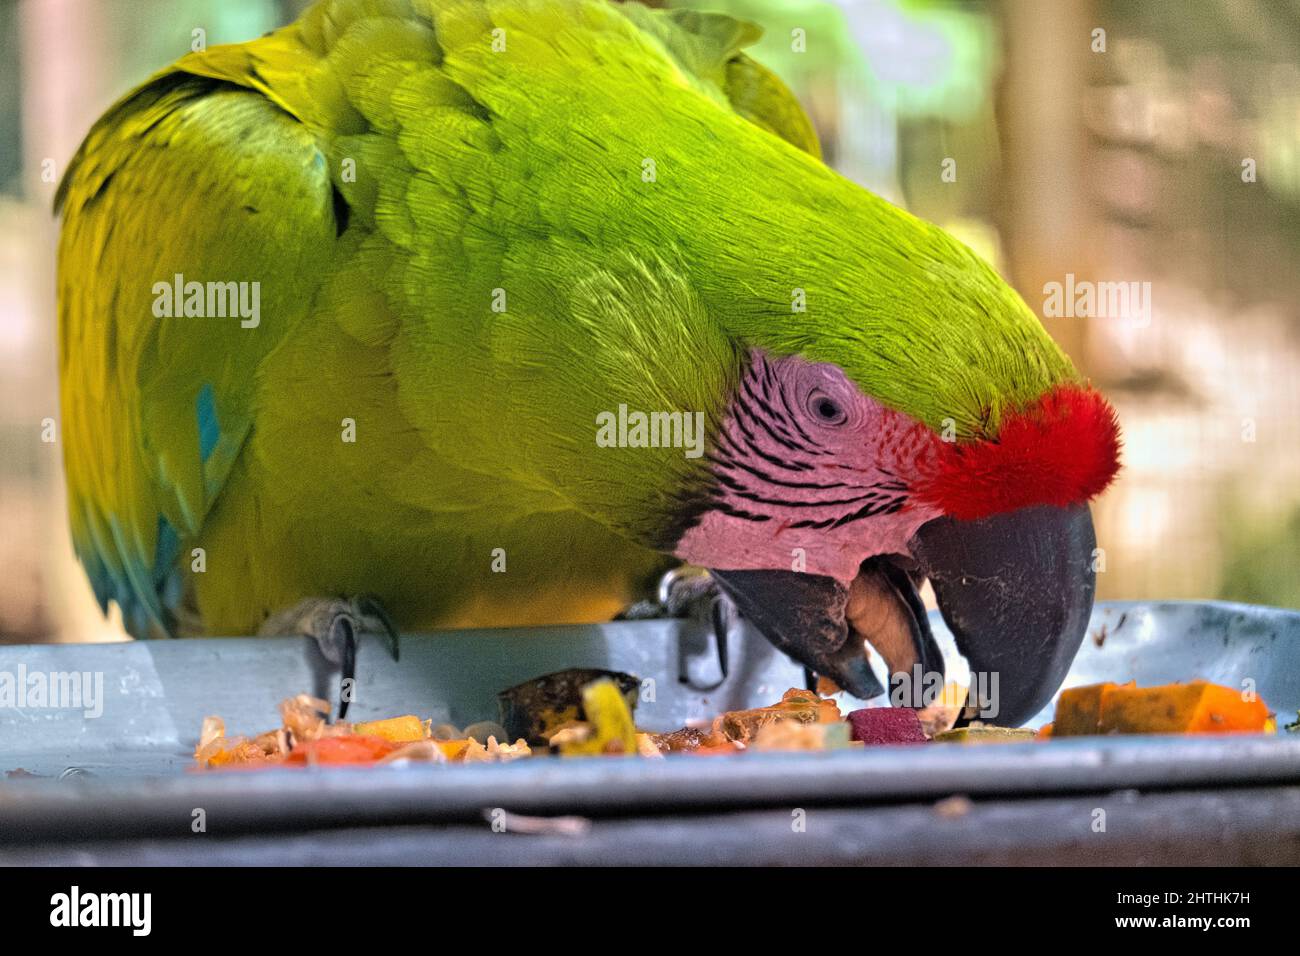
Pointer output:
1061, 450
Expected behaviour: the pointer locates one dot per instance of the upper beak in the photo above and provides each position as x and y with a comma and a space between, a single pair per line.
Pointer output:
1015, 589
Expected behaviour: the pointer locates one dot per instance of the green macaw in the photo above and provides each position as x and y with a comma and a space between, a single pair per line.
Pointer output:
492, 310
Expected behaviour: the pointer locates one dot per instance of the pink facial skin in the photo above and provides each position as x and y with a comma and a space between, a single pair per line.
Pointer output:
804, 460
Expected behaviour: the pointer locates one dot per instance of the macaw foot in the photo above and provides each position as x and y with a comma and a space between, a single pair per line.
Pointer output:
690, 592
334, 623
682, 592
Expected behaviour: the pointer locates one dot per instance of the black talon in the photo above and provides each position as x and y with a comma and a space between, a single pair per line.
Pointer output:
720, 611
334, 625
348, 648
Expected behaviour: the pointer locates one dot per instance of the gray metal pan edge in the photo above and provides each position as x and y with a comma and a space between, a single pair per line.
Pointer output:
302, 800
155, 695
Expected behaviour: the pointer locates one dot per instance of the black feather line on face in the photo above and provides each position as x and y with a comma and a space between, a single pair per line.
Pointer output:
781, 502
763, 476
774, 420
727, 509
741, 490
753, 447
764, 424
793, 419
867, 511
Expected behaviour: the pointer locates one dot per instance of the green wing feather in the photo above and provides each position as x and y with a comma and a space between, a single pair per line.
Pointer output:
199, 177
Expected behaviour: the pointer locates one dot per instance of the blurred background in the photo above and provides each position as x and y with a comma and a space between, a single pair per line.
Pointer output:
1147, 141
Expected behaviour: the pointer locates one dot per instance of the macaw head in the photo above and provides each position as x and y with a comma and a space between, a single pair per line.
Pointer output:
922, 425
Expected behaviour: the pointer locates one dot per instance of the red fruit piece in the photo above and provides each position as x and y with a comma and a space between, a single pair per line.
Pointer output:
887, 725
348, 749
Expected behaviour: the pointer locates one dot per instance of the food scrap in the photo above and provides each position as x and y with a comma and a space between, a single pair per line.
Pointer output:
977, 733
609, 723
539, 708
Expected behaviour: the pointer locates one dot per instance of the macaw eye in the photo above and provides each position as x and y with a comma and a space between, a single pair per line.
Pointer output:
825, 409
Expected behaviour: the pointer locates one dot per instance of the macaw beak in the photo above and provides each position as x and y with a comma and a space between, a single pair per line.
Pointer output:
1015, 589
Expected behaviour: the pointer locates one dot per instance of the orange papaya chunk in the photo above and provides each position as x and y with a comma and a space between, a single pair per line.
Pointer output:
1078, 710
397, 730
1195, 708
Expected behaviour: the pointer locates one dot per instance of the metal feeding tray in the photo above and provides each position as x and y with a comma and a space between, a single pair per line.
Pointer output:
112, 785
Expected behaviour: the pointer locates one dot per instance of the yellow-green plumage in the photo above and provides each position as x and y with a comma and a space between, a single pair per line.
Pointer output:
387, 170
223, 168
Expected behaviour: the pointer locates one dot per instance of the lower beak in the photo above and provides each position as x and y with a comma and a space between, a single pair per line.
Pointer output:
804, 615
1015, 589
822, 624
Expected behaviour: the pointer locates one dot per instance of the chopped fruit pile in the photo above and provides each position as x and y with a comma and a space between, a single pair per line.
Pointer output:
306, 739
589, 713
801, 720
